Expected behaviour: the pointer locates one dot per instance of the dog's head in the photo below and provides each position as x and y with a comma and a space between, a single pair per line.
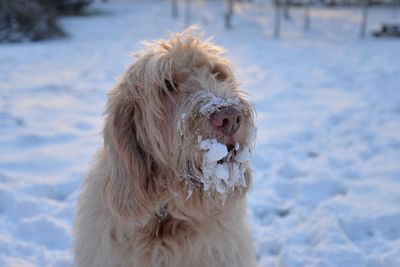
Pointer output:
178, 113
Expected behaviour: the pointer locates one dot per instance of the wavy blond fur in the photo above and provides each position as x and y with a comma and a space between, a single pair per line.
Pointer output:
134, 209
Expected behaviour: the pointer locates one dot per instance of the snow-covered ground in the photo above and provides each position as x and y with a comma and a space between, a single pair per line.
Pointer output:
326, 188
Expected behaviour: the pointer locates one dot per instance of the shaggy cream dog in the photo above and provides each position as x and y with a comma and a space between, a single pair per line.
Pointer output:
168, 187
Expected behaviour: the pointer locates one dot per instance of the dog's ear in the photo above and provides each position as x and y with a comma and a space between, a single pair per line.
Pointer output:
129, 189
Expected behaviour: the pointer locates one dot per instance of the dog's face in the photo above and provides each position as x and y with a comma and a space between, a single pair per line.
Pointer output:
180, 112
213, 123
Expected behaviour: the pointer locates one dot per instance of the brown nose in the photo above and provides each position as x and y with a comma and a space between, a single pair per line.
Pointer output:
227, 120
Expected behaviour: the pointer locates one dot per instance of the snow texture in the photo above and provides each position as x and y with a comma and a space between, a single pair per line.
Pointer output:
215, 103
326, 172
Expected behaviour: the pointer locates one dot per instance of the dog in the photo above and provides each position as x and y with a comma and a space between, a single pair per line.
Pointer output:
168, 187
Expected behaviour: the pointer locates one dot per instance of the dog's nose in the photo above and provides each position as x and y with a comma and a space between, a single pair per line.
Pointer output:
227, 120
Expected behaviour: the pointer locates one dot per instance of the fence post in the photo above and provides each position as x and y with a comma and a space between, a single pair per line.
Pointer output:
364, 18
174, 6
396, 8
277, 24
307, 16
286, 14
188, 12
229, 14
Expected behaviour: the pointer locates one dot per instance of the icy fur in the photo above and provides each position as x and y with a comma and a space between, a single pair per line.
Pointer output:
223, 170
216, 103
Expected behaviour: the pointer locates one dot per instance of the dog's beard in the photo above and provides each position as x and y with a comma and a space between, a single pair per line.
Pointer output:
217, 164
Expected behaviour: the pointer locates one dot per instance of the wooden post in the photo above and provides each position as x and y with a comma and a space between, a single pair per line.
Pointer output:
188, 13
396, 8
174, 6
277, 25
307, 15
229, 14
286, 14
364, 19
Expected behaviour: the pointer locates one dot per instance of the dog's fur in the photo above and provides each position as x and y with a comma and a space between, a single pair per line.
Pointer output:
134, 209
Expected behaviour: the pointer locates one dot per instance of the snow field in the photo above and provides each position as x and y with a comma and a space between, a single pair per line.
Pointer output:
326, 187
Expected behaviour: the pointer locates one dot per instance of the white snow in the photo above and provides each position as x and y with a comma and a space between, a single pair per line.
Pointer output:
215, 103
223, 170
215, 150
244, 155
326, 187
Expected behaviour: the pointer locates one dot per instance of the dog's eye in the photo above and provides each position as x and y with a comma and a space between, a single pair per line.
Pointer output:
219, 73
170, 86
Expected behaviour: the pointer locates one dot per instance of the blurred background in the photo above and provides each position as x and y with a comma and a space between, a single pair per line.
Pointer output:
324, 77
